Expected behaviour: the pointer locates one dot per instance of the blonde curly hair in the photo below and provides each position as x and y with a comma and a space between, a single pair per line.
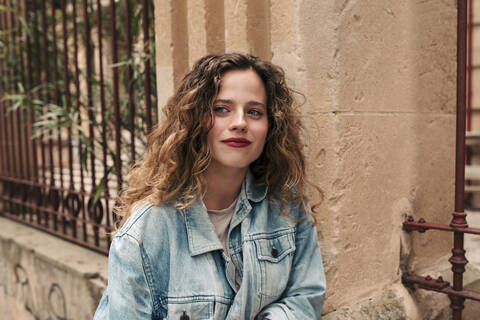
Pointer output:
177, 155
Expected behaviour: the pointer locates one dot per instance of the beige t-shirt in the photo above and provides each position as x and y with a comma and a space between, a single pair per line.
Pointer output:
221, 222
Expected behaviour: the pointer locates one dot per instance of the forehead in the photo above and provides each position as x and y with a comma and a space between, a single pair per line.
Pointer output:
242, 84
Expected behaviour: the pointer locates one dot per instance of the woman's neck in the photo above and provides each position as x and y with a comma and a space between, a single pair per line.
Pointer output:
223, 186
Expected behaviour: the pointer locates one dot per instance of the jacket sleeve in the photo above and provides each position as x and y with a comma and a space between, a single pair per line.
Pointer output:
306, 287
128, 295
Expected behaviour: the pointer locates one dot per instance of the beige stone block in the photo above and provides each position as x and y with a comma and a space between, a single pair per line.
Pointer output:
258, 28
197, 31
215, 26
397, 56
164, 52
389, 166
322, 167
236, 26
317, 66
303, 43
286, 49
247, 27
206, 28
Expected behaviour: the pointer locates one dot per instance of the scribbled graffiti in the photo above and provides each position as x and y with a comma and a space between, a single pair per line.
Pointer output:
57, 304
26, 294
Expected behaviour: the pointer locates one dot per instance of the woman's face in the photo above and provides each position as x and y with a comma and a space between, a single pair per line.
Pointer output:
240, 123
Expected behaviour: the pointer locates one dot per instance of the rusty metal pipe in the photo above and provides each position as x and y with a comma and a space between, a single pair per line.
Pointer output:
421, 226
458, 259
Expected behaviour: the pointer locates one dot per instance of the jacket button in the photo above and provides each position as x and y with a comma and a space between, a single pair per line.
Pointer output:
184, 316
274, 252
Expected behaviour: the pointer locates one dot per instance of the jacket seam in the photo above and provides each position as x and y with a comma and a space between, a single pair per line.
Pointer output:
147, 274
126, 228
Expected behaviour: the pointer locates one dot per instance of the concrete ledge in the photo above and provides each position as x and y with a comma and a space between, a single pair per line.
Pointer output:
44, 277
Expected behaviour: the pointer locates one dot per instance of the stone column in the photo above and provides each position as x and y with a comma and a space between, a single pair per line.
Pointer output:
379, 112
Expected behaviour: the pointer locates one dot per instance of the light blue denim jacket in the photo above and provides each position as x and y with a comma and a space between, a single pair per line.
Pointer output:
165, 264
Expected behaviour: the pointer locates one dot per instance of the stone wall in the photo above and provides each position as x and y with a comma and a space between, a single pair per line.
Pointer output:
379, 79
45, 278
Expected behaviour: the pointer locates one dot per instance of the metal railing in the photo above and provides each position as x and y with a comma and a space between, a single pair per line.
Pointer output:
458, 225
77, 95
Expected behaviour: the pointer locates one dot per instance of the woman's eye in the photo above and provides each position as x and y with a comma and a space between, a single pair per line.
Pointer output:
220, 109
255, 113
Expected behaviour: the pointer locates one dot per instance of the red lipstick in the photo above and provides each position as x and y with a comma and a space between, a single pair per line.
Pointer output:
236, 142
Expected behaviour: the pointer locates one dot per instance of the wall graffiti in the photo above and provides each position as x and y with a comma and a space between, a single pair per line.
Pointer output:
24, 292
56, 300
23, 286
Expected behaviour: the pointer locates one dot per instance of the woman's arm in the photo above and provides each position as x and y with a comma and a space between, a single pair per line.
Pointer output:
303, 298
128, 295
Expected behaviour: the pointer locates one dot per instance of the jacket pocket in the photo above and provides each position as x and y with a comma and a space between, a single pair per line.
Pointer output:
193, 308
275, 255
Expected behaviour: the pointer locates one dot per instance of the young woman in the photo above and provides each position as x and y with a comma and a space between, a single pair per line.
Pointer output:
215, 218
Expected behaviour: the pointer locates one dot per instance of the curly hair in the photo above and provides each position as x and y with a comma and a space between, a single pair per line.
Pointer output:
177, 155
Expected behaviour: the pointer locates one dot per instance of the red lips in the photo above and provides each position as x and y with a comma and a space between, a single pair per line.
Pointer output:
236, 142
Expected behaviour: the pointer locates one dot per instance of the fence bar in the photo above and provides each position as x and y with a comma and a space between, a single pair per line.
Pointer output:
40, 190
12, 84
146, 50
104, 128
8, 120
421, 226
66, 82
46, 70
31, 114
22, 129
77, 103
17, 114
55, 196
38, 80
438, 285
131, 105
458, 259
3, 132
469, 70
8, 140
21, 113
118, 163
68, 206
88, 47
92, 207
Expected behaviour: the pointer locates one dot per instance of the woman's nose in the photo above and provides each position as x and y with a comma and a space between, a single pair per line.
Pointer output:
239, 122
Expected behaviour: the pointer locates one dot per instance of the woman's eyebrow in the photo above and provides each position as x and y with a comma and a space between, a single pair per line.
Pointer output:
250, 103
255, 103
223, 101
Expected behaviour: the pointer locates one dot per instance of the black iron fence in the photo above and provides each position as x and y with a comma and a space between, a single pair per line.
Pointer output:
77, 89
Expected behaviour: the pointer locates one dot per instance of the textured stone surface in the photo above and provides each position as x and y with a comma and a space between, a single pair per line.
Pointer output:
43, 277
386, 306
378, 79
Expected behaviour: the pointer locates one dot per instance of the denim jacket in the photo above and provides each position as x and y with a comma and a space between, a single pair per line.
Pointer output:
169, 264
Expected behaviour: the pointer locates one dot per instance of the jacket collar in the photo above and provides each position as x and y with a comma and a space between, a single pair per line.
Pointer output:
200, 232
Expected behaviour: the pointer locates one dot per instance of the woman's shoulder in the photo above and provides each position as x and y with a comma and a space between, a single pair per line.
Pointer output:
147, 218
